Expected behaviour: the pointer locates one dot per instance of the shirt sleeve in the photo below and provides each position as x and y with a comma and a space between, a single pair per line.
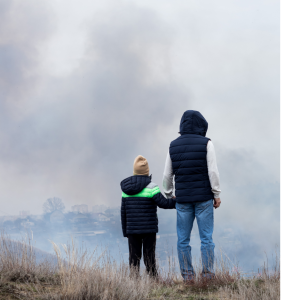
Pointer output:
168, 177
213, 172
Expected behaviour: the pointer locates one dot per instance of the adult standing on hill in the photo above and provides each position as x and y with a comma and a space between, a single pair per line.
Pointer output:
191, 158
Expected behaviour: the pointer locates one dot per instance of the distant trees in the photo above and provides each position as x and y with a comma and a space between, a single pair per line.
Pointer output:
53, 204
8, 224
18, 223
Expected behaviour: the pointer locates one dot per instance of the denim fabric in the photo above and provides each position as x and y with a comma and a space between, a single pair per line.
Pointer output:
186, 213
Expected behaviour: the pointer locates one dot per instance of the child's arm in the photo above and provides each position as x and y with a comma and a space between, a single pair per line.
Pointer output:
160, 200
163, 202
123, 217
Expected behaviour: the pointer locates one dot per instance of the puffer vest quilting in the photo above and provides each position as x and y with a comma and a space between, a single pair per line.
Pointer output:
188, 156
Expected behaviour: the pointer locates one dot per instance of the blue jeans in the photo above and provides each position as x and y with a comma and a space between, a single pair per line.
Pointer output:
186, 213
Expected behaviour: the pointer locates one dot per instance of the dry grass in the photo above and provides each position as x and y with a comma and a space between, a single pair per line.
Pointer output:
80, 274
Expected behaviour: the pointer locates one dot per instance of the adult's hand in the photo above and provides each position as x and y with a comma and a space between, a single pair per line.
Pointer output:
217, 202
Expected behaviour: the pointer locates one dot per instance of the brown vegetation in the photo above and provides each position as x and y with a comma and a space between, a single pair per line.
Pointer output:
80, 274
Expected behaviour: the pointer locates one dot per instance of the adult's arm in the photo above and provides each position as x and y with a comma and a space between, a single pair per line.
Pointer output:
213, 171
168, 177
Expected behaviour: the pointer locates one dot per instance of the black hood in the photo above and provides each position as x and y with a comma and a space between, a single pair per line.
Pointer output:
134, 184
193, 122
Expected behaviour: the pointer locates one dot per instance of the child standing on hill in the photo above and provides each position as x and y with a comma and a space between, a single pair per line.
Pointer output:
140, 198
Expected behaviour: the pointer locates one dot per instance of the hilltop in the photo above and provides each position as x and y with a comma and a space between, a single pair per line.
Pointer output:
28, 273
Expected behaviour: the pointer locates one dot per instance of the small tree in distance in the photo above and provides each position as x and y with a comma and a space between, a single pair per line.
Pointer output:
53, 204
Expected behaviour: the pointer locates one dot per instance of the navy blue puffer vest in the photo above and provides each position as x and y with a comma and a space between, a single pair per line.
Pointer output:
188, 156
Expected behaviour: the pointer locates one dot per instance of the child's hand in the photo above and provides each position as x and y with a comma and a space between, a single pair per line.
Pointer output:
173, 197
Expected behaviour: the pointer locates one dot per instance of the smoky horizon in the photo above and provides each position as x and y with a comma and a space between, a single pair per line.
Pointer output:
84, 89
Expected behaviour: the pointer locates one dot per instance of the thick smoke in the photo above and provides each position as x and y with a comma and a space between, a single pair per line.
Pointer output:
76, 136
85, 130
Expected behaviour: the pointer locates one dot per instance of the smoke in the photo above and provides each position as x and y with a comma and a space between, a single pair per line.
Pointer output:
83, 132
75, 136
20, 39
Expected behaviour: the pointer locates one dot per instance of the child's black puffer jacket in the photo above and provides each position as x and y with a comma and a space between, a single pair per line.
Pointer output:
140, 198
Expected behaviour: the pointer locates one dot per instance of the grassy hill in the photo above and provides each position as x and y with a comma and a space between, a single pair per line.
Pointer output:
28, 273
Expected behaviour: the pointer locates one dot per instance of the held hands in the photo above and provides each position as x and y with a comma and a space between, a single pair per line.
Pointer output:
217, 202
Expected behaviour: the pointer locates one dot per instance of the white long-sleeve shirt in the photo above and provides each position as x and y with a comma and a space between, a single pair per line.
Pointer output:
213, 173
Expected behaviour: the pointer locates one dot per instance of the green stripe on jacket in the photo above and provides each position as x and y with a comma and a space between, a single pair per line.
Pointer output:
146, 192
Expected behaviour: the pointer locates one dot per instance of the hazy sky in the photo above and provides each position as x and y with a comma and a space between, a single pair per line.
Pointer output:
86, 86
